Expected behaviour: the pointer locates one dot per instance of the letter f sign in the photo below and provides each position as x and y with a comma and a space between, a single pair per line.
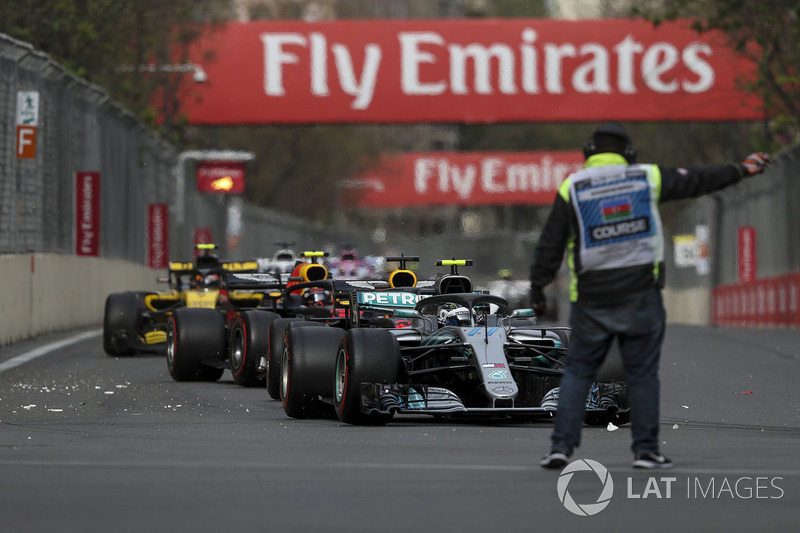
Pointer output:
26, 142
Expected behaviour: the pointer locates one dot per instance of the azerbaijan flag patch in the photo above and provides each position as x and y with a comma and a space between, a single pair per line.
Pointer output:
616, 209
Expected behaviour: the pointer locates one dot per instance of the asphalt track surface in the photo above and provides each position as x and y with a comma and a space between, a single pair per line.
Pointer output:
95, 443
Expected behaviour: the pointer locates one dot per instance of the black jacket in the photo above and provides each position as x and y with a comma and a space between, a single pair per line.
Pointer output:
611, 285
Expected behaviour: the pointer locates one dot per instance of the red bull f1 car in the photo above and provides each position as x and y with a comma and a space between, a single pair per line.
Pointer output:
202, 342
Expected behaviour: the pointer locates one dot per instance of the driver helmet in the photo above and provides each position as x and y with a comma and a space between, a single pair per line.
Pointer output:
459, 316
316, 298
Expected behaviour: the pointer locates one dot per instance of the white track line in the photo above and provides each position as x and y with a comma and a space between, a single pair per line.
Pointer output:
46, 349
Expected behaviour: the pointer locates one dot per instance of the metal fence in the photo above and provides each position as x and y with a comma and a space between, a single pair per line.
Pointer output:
79, 128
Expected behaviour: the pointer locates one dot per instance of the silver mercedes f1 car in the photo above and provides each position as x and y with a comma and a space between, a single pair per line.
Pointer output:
441, 350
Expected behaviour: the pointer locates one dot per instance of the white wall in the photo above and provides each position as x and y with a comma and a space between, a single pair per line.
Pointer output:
688, 306
691, 307
50, 292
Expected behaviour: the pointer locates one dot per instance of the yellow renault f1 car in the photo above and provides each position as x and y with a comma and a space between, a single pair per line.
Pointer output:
136, 321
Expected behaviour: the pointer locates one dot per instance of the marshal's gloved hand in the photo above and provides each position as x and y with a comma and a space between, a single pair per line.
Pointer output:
537, 300
755, 163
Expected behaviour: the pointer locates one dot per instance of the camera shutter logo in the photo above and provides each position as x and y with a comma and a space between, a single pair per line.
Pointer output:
588, 509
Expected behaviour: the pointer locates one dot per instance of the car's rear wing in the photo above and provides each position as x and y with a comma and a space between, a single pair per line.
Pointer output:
188, 267
258, 281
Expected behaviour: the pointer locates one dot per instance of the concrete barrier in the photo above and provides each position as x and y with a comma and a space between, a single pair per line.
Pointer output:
691, 307
52, 292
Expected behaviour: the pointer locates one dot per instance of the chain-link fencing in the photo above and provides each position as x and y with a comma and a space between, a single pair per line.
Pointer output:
74, 126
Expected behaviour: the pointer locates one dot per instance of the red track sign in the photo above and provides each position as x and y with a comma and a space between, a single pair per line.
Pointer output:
220, 177
87, 213
466, 70
468, 179
158, 235
748, 266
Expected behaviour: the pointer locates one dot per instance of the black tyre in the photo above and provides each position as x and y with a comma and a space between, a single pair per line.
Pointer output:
613, 403
274, 355
122, 320
248, 344
309, 357
364, 356
602, 419
195, 344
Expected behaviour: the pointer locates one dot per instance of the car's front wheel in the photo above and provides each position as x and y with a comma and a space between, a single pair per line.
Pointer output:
365, 355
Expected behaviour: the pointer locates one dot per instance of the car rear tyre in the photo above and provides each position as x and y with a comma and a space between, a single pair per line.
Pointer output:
121, 323
364, 356
309, 356
275, 354
195, 344
248, 344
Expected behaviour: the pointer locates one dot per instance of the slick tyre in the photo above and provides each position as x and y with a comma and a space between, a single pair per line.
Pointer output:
274, 355
195, 344
122, 321
307, 366
248, 344
365, 355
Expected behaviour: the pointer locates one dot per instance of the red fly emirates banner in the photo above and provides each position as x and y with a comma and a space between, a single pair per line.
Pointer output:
462, 178
87, 213
158, 235
466, 70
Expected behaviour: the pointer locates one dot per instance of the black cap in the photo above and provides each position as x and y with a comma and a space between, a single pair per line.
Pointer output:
610, 137
614, 129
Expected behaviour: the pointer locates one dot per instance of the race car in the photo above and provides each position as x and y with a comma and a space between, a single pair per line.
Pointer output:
453, 353
334, 311
283, 260
135, 321
202, 343
350, 266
